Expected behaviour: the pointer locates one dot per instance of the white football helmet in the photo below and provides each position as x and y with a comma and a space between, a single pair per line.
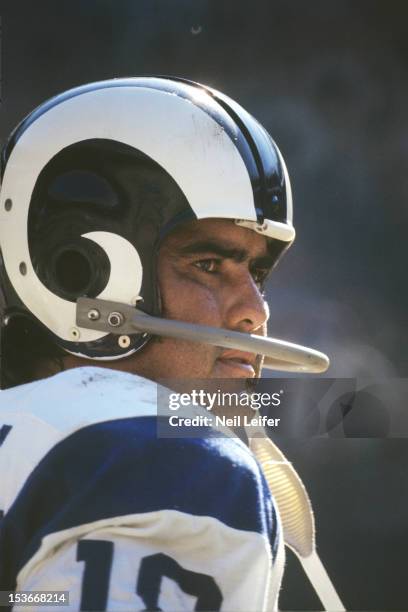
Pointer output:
95, 178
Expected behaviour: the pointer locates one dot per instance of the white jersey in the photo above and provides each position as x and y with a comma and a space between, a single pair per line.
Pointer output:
94, 503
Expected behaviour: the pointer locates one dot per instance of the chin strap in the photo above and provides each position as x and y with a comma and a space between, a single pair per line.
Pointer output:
296, 514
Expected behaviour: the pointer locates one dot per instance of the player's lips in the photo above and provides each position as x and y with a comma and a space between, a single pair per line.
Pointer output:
238, 364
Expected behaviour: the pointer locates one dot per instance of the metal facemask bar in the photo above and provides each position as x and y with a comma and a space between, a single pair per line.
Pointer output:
123, 320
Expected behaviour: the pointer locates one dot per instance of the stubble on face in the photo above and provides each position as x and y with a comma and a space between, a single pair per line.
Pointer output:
195, 290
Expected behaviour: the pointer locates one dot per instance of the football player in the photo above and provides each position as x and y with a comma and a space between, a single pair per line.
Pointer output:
162, 198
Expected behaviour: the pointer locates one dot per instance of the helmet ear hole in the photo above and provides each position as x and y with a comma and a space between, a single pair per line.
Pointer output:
72, 272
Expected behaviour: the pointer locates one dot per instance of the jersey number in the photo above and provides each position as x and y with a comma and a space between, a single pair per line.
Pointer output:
98, 555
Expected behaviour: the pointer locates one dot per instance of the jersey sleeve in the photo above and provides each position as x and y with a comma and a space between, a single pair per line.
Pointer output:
123, 520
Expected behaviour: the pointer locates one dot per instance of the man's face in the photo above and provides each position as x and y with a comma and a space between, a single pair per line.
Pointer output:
210, 272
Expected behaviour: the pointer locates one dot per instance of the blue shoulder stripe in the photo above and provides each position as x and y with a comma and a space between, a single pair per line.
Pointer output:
120, 467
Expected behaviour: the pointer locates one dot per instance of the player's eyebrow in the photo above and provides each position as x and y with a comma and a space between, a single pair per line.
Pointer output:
212, 246
236, 254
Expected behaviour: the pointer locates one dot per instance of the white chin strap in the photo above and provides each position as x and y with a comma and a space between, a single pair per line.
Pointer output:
296, 514
121, 319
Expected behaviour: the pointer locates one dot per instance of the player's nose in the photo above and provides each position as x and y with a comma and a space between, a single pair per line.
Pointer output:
246, 310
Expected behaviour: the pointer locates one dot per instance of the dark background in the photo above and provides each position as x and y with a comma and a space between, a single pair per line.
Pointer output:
328, 80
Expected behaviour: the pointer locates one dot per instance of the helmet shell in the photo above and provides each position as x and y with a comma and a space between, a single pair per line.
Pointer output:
95, 178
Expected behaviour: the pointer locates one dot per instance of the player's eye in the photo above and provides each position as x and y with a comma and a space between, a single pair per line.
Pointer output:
211, 266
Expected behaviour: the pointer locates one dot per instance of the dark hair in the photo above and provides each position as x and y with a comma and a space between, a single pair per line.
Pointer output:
25, 348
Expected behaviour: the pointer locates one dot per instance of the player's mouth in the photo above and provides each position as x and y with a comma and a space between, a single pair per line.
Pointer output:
237, 364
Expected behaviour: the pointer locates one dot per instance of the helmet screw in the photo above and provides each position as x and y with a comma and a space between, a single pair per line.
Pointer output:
115, 319
23, 268
93, 314
8, 204
74, 333
124, 341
